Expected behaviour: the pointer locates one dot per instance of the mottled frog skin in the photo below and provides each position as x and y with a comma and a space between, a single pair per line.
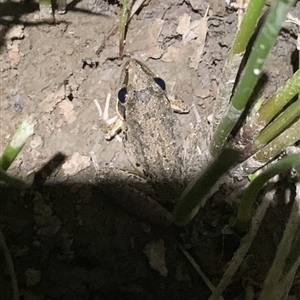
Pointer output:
151, 134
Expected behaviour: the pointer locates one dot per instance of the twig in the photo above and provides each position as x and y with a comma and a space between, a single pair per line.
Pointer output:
246, 242
198, 270
287, 260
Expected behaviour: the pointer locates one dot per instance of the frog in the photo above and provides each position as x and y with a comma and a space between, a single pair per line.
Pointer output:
151, 139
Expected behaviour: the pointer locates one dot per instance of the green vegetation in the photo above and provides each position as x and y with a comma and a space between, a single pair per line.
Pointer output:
11, 151
189, 200
250, 195
270, 126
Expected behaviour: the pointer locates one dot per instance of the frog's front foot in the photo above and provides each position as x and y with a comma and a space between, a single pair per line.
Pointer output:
112, 126
178, 105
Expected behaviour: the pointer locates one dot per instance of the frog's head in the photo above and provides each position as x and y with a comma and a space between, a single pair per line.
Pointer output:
137, 77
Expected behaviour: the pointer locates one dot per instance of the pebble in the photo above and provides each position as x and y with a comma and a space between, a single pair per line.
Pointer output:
69, 50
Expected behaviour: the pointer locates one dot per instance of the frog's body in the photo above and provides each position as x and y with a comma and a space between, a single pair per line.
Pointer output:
151, 134
152, 137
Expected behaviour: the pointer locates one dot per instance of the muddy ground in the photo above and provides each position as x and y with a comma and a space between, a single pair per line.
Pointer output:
68, 240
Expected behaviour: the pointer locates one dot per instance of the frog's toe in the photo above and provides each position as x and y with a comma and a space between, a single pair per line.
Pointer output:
178, 106
114, 128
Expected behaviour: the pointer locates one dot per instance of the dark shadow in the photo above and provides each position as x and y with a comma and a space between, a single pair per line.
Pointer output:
85, 244
11, 13
74, 240
295, 60
41, 176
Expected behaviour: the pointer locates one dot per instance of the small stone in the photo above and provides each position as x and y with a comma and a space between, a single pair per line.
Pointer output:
155, 252
69, 51
14, 58
202, 93
32, 277
171, 54
155, 52
36, 142
16, 32
36, 17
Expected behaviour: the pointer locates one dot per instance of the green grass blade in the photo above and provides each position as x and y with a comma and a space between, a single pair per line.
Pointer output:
46, 11
287, 138
259, 118
261, 48
24, 131
247, 27
245, 208
15, 182
196, 190
278, 125
274, 105
233, 61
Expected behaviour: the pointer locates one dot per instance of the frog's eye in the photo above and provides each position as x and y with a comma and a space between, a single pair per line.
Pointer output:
122, 94
160, 82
